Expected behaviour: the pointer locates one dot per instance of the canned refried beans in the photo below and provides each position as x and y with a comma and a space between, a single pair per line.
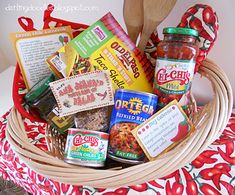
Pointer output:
131, 108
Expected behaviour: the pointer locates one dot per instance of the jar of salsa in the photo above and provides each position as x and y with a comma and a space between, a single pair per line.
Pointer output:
176, 57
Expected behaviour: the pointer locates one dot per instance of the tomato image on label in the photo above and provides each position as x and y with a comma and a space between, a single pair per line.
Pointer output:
176, 57
182, 131
172, 79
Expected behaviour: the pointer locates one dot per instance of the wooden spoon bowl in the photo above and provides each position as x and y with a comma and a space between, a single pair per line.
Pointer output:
155, 11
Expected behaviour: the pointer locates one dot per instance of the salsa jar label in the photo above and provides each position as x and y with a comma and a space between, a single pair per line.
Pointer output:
172, 79
131, 108
173, 76
85, 147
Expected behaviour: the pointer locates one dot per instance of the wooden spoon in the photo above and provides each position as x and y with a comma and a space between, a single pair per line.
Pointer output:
155, 11
133, 17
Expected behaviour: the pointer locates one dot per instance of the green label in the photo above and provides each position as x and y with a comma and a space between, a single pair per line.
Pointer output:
91, 39
172, 88
127, 155
86, 153
87, 147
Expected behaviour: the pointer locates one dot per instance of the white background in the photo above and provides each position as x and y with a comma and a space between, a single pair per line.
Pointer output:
91, 10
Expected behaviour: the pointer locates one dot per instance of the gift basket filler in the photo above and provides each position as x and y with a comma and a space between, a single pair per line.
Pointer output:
116, 114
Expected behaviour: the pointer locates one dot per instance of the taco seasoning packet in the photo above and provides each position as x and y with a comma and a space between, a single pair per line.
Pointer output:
104, 46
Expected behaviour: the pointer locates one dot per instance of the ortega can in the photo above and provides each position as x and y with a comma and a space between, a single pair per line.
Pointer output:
131, 108
86, 147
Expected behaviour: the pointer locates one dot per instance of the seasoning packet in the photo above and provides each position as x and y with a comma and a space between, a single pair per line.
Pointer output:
163, 130
96, 119
83, 92
105, 46
32, 48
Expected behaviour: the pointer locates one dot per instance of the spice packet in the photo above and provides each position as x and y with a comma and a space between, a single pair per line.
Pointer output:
83, 92
163, 130
105, 46
60, 123
34, 47
95, 119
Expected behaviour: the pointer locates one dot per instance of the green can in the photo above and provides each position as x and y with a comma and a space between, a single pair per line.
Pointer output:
86, 147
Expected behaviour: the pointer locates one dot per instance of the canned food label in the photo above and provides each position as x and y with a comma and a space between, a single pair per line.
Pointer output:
130, 109
86, 146
163, 130
173, 76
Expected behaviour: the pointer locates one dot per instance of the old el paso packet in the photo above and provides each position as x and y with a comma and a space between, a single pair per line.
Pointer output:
105, 46
163, 130
83, 92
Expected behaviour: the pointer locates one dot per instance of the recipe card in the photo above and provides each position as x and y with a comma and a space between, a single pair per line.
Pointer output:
83, 92
163, 130
34, 47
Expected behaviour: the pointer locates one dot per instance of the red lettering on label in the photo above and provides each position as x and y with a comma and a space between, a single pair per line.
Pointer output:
163, 76
83, 84
125, 57
66, 90
83, 100
80, 139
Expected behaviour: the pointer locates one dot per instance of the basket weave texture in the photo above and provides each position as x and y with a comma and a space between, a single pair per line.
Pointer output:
210, 121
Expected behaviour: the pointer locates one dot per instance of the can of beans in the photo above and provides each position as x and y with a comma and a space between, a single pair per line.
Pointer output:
86, 147
131, 108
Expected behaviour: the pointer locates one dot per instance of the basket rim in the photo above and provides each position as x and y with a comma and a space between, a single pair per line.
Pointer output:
208, 129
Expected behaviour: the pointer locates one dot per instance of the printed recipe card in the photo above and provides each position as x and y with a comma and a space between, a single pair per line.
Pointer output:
163, 130
34, 47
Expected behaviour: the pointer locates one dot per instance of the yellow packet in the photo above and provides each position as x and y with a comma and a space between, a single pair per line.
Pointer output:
105, 46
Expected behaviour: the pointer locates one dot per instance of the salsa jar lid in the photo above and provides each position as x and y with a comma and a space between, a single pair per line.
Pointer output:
39, 88
182, 31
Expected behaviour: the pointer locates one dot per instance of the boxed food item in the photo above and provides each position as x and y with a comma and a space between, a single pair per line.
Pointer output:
104, 46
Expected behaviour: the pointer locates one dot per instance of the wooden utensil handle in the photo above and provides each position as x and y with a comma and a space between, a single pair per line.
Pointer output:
133, 17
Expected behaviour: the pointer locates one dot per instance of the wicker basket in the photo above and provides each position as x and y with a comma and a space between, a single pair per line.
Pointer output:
209, 121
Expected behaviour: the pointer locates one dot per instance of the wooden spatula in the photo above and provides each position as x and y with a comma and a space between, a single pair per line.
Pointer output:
133, 17
155, 11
